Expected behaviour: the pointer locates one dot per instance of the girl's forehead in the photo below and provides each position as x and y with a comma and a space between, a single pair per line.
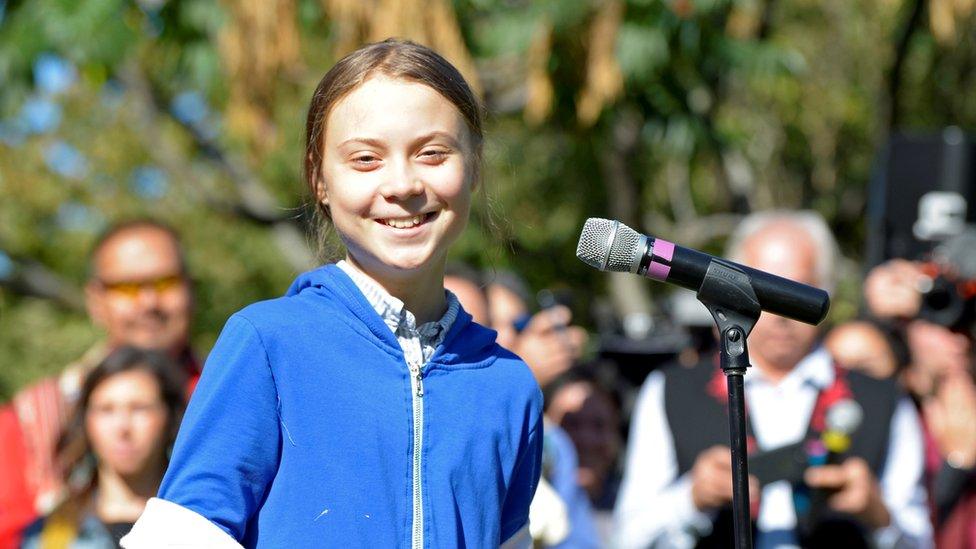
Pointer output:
392, 106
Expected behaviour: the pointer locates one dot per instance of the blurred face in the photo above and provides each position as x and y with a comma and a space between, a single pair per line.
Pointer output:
471, 298
126, 423
505, 308
396, 176
590, 420
778, 343
140, 294
860, 346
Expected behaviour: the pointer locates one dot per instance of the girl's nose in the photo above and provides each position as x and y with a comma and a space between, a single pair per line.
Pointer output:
402, 184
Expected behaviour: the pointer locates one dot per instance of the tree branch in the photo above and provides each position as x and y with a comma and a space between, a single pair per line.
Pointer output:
31, 278
255, 202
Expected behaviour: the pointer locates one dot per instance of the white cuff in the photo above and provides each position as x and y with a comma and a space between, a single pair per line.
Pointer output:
548, 517
165, 524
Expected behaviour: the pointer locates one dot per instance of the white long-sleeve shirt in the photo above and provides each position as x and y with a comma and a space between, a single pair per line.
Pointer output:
655, 508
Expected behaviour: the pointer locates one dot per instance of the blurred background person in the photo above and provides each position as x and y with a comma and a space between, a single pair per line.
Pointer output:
868, 346
465, 282
589, 412
677, 483
139, 293
940, 375
545, 340
114, 450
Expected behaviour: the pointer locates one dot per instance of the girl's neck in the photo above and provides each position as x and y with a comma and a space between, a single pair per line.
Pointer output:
422, 292
123, 498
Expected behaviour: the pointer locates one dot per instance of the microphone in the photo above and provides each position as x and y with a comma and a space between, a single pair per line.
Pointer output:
842, 419
610, 245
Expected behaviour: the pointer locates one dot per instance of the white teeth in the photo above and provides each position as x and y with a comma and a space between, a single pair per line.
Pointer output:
405, 222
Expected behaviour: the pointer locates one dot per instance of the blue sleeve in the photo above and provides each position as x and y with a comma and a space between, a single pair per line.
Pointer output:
228, 447
525, 479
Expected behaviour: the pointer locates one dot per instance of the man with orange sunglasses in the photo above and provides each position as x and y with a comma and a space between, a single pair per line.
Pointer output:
139, 293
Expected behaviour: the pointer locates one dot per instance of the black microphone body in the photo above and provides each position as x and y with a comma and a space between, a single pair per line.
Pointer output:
610, 245
778, 295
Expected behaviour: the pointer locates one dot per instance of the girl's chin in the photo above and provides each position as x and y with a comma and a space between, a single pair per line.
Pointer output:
407, 263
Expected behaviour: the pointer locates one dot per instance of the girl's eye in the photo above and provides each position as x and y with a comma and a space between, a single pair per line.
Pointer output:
434, 155
365, 160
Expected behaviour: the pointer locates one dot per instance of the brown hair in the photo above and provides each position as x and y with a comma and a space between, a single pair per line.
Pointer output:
395, 58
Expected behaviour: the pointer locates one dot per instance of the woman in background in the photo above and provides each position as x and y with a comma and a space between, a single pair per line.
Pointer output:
114, 451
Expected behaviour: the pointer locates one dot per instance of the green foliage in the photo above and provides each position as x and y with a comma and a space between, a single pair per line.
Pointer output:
711, 121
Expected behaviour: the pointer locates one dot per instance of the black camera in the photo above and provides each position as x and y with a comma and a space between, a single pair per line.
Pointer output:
949, 297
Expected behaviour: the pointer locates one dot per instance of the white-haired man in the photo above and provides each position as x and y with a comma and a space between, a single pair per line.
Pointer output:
677, 485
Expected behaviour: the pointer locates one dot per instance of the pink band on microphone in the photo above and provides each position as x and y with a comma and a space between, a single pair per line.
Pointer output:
663, 249
658, 271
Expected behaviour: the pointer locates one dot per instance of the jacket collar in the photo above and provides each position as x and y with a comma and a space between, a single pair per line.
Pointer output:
331, 280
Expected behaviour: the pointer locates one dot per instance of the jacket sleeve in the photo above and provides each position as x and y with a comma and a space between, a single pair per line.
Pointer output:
521, 489
228, 448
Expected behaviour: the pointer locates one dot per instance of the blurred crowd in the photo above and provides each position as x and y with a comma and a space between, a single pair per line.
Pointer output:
624, 464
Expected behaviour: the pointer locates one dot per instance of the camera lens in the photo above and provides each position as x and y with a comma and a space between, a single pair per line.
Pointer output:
942, 304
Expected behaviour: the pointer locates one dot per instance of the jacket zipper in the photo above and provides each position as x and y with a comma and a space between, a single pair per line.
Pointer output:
417, 389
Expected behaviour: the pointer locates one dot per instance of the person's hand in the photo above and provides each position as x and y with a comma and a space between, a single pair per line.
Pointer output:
549, 345
856, 491
950, 415
937, 353
711, 479
891, 289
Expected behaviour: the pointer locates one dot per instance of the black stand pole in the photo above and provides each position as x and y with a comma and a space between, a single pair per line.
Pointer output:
729, 296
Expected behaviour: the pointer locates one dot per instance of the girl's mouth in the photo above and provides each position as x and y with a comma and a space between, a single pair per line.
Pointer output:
408, 222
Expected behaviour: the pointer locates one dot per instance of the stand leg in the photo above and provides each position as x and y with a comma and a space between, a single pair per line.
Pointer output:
730, 298
740, 465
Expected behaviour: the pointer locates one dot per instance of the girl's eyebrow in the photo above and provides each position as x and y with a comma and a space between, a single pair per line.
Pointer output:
364, 140
452, 140
379, 144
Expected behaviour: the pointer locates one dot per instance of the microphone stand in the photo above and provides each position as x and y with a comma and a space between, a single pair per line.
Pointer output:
728, 294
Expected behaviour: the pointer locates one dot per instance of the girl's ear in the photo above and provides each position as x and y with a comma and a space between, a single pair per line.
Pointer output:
321, 194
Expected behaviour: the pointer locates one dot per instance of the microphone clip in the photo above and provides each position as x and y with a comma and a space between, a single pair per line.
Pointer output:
728, 294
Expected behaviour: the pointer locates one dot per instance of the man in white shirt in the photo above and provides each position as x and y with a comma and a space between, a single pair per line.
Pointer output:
673, 498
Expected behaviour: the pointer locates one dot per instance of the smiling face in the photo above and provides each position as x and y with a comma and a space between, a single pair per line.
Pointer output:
396, 177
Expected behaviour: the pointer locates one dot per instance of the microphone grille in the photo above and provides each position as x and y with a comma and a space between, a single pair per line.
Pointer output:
844, 416
594, 242
607, 245
623, 251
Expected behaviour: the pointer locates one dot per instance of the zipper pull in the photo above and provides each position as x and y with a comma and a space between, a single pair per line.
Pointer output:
418, 376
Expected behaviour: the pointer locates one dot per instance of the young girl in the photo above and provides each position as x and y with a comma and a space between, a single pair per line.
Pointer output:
114, 450
364, 408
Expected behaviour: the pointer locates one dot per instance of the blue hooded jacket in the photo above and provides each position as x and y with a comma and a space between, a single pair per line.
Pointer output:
301, 430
